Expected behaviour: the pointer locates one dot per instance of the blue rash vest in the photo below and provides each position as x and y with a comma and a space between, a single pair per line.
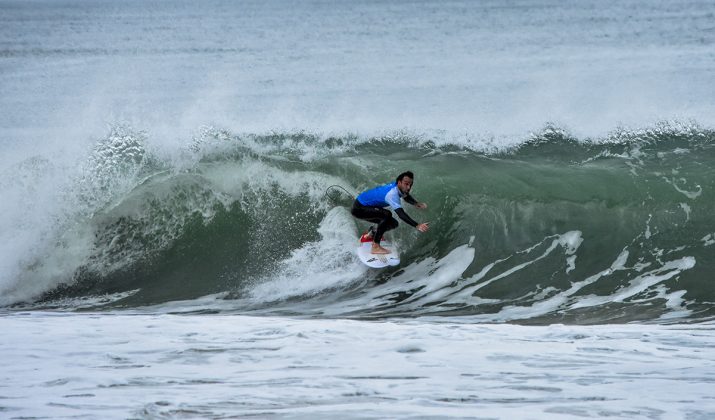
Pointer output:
382, 196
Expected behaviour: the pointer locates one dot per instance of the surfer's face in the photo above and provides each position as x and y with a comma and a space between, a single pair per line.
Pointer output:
405, 185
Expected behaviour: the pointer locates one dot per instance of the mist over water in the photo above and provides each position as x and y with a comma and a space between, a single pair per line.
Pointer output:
483, 69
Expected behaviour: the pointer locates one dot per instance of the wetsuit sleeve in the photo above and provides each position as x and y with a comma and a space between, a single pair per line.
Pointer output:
401, 212
411, 200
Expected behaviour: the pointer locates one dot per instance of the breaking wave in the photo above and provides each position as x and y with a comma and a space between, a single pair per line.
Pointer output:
551, 228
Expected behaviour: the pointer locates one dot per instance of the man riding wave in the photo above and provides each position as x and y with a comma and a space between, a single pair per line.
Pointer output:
370, 205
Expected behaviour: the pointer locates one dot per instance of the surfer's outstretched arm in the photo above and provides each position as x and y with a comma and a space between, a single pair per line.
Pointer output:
422, 227
405, 217
411, 200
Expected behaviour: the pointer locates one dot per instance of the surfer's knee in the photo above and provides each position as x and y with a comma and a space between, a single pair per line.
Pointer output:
392, 223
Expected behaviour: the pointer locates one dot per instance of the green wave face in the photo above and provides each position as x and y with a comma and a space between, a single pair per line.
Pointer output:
553, 229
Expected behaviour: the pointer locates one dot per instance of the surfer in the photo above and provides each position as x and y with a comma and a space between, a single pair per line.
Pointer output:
370, 204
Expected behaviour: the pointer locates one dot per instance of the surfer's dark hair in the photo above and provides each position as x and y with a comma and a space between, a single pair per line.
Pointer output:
407, 174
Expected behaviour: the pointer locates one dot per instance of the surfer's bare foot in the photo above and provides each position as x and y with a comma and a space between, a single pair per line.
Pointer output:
377, 249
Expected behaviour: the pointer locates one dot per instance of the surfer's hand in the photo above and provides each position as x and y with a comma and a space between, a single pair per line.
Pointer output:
421, 205
423, 227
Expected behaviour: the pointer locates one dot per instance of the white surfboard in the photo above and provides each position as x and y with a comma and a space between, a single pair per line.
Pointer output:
364, 253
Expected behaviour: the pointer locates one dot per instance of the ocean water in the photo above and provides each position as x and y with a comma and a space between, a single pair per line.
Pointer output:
175, 184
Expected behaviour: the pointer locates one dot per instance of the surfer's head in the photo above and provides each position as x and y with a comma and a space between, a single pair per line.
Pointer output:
404, 182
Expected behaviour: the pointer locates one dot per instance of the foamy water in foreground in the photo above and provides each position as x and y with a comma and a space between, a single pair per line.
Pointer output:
197, 366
